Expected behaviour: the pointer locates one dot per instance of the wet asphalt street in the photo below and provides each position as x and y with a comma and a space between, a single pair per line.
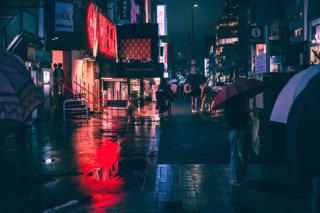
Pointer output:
112, 164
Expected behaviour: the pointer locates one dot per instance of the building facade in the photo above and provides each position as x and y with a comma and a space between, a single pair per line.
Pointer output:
227, 40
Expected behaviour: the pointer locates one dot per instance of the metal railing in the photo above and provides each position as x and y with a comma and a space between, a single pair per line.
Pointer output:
86, 97
78, 109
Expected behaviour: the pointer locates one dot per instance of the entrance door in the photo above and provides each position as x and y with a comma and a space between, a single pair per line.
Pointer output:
135, 87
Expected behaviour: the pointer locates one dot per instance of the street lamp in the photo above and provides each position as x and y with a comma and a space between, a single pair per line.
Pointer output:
192, 37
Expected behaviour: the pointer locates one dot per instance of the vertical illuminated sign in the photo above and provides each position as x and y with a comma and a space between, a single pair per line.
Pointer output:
206, 67
46, 77
101, 33
91, 24
162, 19
162, 30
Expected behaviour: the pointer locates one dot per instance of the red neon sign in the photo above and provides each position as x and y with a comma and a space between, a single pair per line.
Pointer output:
91, 24
107, 37
99, 28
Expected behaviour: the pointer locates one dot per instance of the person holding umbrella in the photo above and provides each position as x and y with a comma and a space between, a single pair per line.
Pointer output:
238, 120
233, 99
194, 81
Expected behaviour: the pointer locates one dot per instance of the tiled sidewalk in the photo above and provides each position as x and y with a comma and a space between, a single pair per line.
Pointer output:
206, 188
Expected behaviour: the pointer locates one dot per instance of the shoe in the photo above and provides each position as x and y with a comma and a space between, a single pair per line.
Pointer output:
240, 185
192, 111
235, 184
201, 110
195, 111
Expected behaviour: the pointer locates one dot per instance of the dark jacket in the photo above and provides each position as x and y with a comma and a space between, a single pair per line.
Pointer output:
237, 116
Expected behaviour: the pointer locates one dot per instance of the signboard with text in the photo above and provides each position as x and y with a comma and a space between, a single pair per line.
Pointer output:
63, 17
162, 19
256, 34
101, 33
124, 9
260, 63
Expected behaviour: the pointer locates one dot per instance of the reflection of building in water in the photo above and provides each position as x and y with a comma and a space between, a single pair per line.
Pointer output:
104, 174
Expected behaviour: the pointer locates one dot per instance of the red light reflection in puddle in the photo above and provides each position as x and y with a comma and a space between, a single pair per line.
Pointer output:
98, 160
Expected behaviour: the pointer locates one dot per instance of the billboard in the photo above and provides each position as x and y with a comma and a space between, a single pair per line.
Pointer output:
162, 31
138, 42
63, 17
162, 19
135, 49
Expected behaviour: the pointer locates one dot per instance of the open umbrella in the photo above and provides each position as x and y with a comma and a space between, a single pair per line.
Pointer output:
246, 87
170, 82
196, 80
18, 94
290, 92
302, 135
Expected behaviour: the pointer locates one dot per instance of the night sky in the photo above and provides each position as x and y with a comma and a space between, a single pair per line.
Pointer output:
179, 22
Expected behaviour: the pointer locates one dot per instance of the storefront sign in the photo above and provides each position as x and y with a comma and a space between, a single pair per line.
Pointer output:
107, 37
161, 19
140, 70
63, 17
101, 32
256, 35
46, 77
92, 20
35, 54
260, 63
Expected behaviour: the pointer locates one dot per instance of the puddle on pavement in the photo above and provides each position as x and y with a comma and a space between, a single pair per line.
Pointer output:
100, 160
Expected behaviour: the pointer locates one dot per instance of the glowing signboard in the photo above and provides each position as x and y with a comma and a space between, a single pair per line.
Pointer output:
91, 24
107, 37
139, 49
101, 32
161, 19
46, 77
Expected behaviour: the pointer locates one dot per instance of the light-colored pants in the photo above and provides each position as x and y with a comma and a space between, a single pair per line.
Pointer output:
240, 147
194, 102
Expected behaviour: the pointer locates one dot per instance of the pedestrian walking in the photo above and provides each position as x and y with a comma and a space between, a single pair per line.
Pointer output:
164, 91
174, 89
206, 97
238, 120
130, 107
194, 92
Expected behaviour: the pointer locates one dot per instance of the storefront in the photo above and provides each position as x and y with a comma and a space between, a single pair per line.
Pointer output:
87, 51
138, 53
38, 63
142, 78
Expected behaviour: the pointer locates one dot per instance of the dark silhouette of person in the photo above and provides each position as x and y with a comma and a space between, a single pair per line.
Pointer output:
58, 76
238, 120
